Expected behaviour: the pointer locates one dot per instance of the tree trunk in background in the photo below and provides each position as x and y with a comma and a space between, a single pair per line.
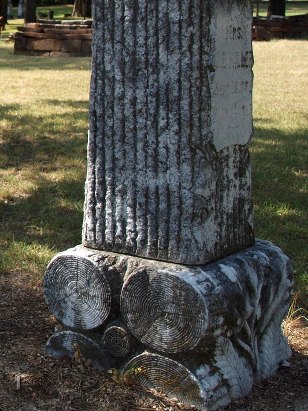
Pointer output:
82, 8
78, 8
276, 8
88, 8
30, 11
3, 10
9, 9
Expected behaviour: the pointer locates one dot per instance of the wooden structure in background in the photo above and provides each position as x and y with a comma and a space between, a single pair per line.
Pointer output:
74, 38
55, 38
265, 28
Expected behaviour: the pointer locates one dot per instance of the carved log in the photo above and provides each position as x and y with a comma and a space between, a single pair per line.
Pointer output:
220, 324
209, 382
154, 371
76, 292
163, 310
82, 287
79, 347
175, 310
117, 340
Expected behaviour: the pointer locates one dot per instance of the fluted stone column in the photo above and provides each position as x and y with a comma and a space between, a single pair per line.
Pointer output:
169, 286
170, 119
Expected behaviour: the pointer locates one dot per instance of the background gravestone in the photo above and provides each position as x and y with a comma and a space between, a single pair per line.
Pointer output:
169, 285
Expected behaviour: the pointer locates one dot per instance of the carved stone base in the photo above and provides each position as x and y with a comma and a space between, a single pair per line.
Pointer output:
201, 334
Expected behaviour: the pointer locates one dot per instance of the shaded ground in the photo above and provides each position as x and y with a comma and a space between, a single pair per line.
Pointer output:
31, 382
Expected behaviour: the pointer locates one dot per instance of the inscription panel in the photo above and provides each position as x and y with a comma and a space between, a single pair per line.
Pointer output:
231, 76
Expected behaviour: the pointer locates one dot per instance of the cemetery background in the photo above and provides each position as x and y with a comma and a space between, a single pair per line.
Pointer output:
30, 178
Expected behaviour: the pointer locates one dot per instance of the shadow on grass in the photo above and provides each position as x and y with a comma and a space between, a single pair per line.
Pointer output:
42, 162
279, 162
297, 7
34, 138
280, 166
51, 215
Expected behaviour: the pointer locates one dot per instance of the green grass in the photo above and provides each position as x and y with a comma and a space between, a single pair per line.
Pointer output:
59, 10
279, 150
43, 133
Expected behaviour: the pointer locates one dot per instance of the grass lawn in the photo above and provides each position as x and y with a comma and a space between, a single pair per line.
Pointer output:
280, 150
43, 133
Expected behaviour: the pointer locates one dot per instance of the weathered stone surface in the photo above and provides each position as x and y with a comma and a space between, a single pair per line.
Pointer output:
79, 347
203, 334
117, 340
72, 45
176, 309
86, 47
230, 77
77, 291
169, 179
170, 119
167, 375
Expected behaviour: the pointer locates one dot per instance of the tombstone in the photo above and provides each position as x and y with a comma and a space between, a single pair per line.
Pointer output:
169, 286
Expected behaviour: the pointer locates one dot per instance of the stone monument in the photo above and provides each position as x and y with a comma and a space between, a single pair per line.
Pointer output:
169, 286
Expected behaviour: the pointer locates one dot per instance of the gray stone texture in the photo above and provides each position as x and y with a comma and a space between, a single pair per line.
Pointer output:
169, 179
202, 334
170, 118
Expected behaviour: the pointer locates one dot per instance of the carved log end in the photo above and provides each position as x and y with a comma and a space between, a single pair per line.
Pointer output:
163, 310
117, 340
78, 347
77, 292
154, 371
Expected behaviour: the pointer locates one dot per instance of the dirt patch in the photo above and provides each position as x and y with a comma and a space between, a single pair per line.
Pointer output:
29, 381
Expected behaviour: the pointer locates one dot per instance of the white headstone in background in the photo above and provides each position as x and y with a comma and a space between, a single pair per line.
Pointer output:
231, 79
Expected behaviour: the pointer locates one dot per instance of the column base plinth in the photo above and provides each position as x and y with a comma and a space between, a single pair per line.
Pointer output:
201, 334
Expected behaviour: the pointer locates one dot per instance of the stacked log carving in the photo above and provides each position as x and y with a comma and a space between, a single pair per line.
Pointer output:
201, 334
